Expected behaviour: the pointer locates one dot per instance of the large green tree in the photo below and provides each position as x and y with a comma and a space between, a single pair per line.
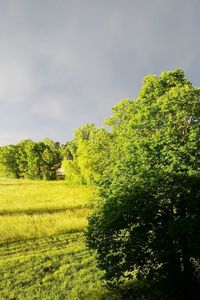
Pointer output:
148, 223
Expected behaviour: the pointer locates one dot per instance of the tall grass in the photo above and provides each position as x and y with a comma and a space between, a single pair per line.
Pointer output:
31, 209
20, 227
28, 196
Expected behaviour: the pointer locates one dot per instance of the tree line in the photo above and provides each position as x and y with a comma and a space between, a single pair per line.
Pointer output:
33, 160
82, 159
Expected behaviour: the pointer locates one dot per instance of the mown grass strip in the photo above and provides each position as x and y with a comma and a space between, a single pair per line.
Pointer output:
67, 272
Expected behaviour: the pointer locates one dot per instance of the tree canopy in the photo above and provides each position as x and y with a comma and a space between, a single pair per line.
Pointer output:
28, 159
148, 222
87, 155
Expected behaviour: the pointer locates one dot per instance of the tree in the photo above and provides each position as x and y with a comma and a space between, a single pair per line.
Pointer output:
8, 164
21, 158
70, 163
33, 151
93, 154
38, 160
148, 223
50, 159
86, 156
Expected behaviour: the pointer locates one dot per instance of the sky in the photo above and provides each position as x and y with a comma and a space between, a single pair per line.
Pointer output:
64, 63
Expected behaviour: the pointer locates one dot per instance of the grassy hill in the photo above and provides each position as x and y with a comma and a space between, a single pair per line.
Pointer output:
42, 250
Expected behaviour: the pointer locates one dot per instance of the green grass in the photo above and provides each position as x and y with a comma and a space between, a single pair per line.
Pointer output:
42, 249
30, 209
56, 267
26, 196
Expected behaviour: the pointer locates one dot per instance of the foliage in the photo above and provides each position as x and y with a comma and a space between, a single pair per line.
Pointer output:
28, 159
22, 157
50, 158
86, 155
148, 223
8, 165
72, 172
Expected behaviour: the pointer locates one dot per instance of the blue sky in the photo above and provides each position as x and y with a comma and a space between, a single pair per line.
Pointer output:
66, 63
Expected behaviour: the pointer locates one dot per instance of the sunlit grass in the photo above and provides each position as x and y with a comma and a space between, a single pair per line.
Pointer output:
31, 209
40, 196
42, 249
20, 227
57, 267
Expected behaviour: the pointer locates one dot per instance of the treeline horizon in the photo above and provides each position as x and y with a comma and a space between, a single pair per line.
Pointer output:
79, 158
29, 159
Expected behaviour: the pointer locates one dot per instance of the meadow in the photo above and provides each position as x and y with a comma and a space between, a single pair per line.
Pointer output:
42, 249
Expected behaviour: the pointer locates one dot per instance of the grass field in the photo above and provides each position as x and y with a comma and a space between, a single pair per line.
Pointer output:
30, 209
42, 249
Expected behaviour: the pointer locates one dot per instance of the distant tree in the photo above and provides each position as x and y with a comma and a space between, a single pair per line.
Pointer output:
33, 151
50, 159
72, 172
21, 158
70, 165
65, 152
8, 165
86, 155
93, 154
148, 223
43, 158
37, 160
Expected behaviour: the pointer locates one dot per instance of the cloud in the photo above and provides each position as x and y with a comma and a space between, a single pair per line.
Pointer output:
64, 63
12, 137
16, 82
50, 108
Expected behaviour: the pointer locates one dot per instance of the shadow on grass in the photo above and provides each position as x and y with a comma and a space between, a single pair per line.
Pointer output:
160, 290
16, 184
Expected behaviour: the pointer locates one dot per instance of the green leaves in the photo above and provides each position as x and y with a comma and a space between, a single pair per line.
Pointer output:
28, 159
150, 211
8, 165
89, 154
